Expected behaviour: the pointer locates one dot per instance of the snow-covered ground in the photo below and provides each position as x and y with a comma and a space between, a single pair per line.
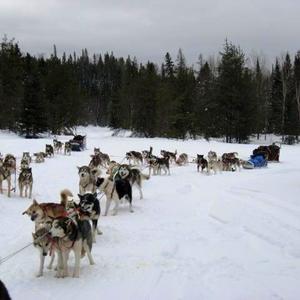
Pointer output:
234, 235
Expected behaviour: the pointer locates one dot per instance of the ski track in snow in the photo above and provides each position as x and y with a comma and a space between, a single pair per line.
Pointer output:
234, 235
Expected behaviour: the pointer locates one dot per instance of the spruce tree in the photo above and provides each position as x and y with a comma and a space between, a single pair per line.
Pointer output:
33, 118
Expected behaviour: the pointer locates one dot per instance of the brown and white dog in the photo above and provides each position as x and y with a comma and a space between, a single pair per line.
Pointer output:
42, 213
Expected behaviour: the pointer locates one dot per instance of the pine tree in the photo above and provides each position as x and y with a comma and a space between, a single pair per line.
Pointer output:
204, 105
297, 87
276, 100
11, 88
289, 107
33, 118
234, 82
182, 122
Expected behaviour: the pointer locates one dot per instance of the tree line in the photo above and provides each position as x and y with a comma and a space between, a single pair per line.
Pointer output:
222, 98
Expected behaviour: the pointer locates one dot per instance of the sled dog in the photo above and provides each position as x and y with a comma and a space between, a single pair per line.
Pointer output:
45, 212
182, 159
89, 208
49, 150
115, 191
25, 181
87, 179
73, 235
134, 157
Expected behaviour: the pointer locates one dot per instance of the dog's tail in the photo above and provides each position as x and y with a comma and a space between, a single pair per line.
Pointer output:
64, 195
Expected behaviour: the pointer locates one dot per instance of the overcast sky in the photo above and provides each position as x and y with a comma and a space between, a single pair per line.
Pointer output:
148, 29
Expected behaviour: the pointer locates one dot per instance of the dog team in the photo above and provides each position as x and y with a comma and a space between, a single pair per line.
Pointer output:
8, 167
72, 224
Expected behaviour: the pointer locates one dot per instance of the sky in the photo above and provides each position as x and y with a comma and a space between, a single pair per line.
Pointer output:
149, 29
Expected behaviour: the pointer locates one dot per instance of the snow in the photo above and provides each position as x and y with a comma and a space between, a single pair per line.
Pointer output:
234, 235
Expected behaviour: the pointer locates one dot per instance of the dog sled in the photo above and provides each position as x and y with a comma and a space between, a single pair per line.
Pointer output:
256, 161
270, 153
78, 143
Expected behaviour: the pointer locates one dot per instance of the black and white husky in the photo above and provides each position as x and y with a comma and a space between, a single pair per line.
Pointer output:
89, 209
133, 175
72, 235
116, 190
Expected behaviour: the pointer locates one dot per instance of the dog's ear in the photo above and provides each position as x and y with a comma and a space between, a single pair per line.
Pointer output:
33, 235
35, 202
29, 169
80, 196
95, 195
25, 212
78, 168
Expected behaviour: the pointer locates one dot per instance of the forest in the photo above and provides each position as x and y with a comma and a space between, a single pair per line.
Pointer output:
225, 97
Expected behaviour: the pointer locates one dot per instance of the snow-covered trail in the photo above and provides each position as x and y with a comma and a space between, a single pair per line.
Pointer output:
234, 235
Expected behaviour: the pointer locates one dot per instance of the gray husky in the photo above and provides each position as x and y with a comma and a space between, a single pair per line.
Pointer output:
87, 179
25, 180
43, 242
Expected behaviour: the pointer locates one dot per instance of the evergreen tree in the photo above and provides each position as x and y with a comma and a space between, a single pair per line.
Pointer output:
233, 84
11, 88
289, 104
204, 106
275, 121
297, 87
182, 120
33, 117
